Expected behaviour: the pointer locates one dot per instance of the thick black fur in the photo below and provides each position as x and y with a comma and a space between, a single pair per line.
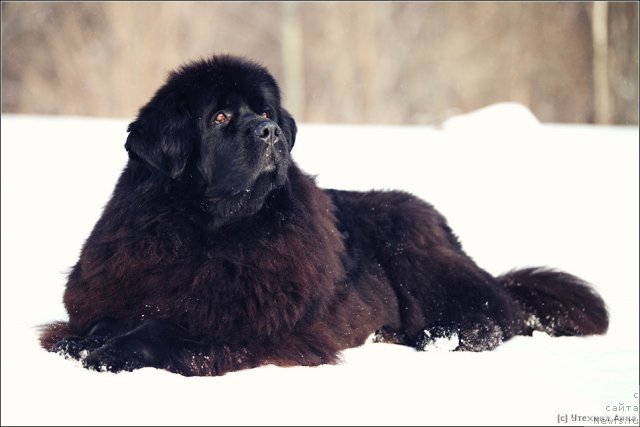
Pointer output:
216, 253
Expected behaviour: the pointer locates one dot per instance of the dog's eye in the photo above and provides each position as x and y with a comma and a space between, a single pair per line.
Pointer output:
265, 114
220, 117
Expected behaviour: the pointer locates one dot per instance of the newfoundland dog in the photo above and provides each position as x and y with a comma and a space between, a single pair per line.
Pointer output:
217, 253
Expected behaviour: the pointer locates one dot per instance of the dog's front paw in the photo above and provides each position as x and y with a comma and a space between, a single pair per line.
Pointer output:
120, 355
78, 347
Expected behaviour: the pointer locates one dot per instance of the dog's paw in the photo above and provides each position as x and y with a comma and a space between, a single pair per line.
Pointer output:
78, 347
477, 333
119, 355
438, 338
113, 360
480, 336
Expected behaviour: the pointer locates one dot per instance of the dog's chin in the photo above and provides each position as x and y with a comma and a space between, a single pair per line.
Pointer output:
271, 176
248, 201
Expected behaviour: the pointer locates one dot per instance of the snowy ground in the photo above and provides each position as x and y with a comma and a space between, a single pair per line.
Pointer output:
516, 192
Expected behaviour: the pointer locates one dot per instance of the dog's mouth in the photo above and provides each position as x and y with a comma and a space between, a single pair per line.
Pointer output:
245, 202
270, 163
266, 181
273, 158
270, 177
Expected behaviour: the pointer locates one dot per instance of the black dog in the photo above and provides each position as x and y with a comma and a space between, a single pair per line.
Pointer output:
216, 253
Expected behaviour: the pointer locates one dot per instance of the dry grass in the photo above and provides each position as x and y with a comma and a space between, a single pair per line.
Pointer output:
395, 63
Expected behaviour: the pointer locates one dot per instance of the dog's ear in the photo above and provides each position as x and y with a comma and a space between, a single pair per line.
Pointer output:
290, 128
161, 140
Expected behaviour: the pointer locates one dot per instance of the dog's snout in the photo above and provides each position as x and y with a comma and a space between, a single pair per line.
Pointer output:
268, 132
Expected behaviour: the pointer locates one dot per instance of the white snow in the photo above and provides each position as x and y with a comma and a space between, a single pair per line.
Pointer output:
495, 116
446, 343
536, 194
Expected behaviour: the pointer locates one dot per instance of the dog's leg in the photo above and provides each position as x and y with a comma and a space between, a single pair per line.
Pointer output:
442, 293
78, 346
149, 345
160, 343
473, 308
312, 345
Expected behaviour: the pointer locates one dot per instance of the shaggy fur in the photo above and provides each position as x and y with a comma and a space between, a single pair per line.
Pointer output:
216, 253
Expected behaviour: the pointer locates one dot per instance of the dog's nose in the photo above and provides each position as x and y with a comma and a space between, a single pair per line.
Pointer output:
268, 132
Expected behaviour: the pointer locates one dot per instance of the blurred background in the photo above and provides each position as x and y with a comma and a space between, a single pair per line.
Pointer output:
339, 62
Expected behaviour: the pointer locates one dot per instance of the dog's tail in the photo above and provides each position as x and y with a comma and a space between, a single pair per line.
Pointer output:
555, 302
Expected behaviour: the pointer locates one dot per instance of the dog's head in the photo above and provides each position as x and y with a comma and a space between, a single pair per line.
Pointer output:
218, 126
